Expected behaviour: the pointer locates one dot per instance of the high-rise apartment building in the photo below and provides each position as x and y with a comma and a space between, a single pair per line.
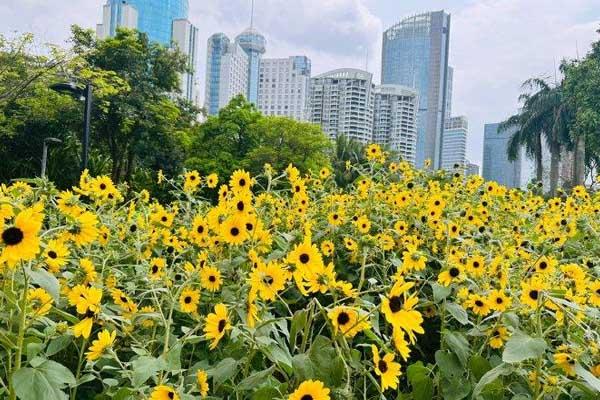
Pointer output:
449, 88
283, 87
254, 44
454, 143
395, 119
415, 54
165, 22
341, 101
496, 165
226, 72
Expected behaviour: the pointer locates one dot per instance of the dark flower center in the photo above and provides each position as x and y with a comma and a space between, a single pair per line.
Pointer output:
382, 365
307, 397
132, 228
534, 294
188, 299
268, 280
240, 205
102, 186
234, 231
479, 303
171, 395
499, 300
12, 236
200, 229
164, 218
395, 304
212, 278
475, 264
52, 254
154, 269
242, 182
543, 265
222, 324
343, 318
454, 272
304, 258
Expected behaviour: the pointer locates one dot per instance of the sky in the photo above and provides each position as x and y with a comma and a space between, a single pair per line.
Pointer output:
495, 45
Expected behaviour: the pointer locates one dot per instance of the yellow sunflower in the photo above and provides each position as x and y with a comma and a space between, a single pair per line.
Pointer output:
386, 368
20, 240
202, 380
240, 181
305, 256
413, 260
479, 304
188, 300
497, 337
157, 266
83, 328
348, 321
191, 181
398, 309
56, 254
210, 278
268, 280
40, 302
233, 230
164, 392
216, 325
212, 180
105, 340
310, 390
451, 275
531, 292
85, 299
84, 229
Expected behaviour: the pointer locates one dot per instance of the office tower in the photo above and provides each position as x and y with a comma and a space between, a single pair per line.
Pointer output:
449, 87
165, 22
341, 101
454, 143
253, 44
415, 54
395, 119
472, 169
496, 165
226, 72
283, 87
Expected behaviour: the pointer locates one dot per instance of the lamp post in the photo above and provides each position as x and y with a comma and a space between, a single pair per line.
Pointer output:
83, 94
47, 141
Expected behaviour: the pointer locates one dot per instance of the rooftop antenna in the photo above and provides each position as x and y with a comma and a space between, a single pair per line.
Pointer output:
252, 16
367, 60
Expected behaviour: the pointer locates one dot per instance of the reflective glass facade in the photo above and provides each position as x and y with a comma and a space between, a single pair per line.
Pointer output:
496, 165
415, 54
254, 44
155, 17
217, 46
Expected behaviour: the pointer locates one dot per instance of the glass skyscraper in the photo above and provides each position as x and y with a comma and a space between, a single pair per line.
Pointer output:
496, 165
254, 44
415, 54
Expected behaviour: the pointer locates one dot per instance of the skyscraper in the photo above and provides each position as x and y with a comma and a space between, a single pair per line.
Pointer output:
164, 21
283, 86
341, 101
496, 165
415, 54
226, 72
253, 44
395, 119
449, 88
454, 143
472, 169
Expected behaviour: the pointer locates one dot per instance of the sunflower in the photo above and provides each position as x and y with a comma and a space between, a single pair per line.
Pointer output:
202, 380
192, 181
412, 260
233, 230
40, 302
164, 392
398, 310
451, 275
310, 390
268, 280
386, 368
20, 240
531, 292
199, 230
216, 325
240, 181
545, 265
320, 279
188, 300
105, 340
157, 266
84, 229
88, 268
479, 304
373, 152
85, 299
497, 337
56, 254
348, 321
400, 343
210, 278
327, 248
83, 328
498, 300
324, 173
565, 360
594, 289
350, 244
476, 265
363, 224
212, 180
305, 256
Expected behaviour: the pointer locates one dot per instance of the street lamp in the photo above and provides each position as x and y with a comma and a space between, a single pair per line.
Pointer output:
47, 141
82, 94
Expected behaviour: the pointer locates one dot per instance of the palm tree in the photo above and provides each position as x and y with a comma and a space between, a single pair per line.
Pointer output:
545, 115
346, 149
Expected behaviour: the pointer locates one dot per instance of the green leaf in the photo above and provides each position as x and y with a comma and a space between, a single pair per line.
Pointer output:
491, 376
172, 360
479, 366
303, 367
298, 323
522, 347
224, 370
279, 356
455, 389
448, 364
422, 384
58, 344
588, 377
44, 382
45, 280
328, 366
440, 292
457, 342
458, 312
254, 380
144, 367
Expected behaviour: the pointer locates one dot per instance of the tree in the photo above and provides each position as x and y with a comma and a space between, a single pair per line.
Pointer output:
283, 141
346, 150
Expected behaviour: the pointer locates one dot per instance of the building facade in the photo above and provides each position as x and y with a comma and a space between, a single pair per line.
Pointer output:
341, 101
226, 72
496, 165
454, 143
254, 44
283, 87
449, 89
471, 169
415, 54
395, 119
165, 22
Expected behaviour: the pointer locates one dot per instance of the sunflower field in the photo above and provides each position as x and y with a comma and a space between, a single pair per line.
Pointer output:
407, 284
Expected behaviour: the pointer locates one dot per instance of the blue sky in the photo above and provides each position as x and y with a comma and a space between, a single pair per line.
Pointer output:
495, 44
